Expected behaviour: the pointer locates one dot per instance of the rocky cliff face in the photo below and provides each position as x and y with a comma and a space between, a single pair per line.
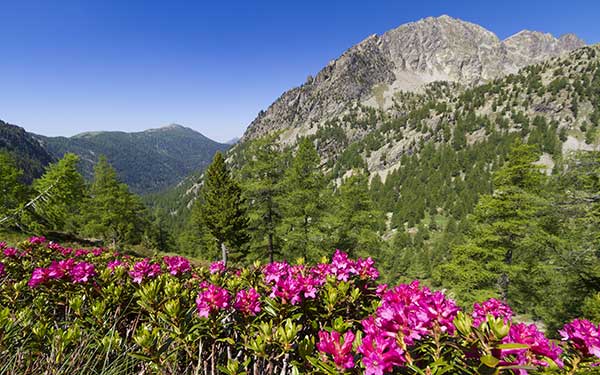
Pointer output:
406, 59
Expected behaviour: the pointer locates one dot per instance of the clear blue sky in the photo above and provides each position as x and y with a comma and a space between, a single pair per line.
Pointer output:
72, 66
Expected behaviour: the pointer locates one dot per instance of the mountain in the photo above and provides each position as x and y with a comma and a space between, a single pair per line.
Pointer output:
404, 59
147, 161
30, 155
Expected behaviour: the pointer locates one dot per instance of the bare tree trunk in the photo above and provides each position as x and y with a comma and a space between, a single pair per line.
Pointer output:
224, 253
271, 247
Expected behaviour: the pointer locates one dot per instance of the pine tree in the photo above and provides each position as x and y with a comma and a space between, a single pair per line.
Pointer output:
113, 213
221, 210
12, 190
262, 185
509, 237
303, 204
63, 189
358, 222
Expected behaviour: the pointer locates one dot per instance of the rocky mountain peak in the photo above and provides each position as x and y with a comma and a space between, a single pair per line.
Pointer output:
405, 59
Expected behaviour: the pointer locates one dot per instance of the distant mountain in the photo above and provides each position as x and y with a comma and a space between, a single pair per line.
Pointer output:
31, 156
404, 59
147, 161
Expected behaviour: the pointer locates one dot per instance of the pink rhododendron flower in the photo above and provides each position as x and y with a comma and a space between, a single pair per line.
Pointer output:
82, 272
340, 350
144, 269
55, 271
37, 240
2, 269
217, 267
10, 252
38, 277
492, 306
583, 335
113, 264
3, 245
81, 252
177, 265
247, 302
539, 347
341, 266
97, 251
380, 354
212, 299
366, 269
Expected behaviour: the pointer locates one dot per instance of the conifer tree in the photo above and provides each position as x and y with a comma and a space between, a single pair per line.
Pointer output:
12, 190
62, 190
358, 221
221, 210
113, 213
509, 241
262, 174
303, 204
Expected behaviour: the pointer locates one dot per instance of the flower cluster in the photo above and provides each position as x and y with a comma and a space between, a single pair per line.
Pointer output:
80, 272
217, 267
2, 269
10, 252
340, 350
342, 267
407, 314
37, 240
144, 270
583, 335
291, 284
247, 302
211, 299
177, 265
493, 307
538, 351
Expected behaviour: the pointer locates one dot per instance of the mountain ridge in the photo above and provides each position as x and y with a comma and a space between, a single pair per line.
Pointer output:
148, 161
405, 59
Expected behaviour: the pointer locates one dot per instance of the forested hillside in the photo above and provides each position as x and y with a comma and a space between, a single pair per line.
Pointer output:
147, 161
30, 155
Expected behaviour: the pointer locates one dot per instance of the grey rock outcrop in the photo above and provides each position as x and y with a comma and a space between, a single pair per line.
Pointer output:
405, 59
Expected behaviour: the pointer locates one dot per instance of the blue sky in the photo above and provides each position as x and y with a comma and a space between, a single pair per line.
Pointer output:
73, 66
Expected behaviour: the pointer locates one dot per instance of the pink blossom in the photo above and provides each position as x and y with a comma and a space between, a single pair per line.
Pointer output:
10, 252
55, 271
81, 252
144, 269
217, 267
97, 251
341, 266
366, 269
539, 347
492, 306
82, 272
2, 269
37, 240
274, 271
38, 277
340, 350
212, 299
3, 245
380, 354
583, 336
113, 264
177, 265
57, 247
247, 302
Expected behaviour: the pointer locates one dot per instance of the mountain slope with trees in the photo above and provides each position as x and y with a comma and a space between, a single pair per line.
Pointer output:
147, 161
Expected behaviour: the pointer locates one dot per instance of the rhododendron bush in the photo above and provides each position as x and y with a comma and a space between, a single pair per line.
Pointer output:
171, 317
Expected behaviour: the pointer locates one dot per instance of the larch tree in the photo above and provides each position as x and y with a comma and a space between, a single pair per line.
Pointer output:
221, 209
